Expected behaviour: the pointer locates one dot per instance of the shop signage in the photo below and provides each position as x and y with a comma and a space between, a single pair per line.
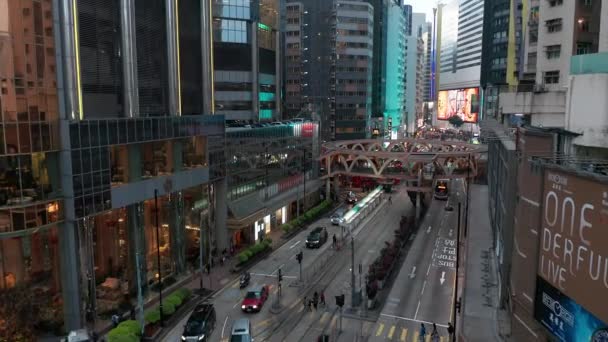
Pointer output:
564, 317
308, 129
573, 253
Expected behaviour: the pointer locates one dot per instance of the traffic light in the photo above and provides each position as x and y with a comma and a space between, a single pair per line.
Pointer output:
280, 275
340, 300
300, 256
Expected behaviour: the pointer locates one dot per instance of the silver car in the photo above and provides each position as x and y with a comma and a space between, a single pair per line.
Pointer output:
337, 217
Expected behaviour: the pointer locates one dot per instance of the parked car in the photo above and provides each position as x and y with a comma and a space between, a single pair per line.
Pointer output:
241, 331
255, 299
351, 198
317, 237
337, 217
201, 323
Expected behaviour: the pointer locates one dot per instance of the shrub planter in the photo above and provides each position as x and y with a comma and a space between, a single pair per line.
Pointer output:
294, 226
256, 258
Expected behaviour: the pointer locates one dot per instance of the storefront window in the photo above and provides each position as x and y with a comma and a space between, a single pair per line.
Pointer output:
195, 152
28, 178
196, 206
119, 155
161, 245
30, 278
112, 267
157, 159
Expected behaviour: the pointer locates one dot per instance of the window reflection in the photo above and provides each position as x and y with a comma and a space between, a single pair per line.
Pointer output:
28, 178
195, 152
163, 243
157, 159
119, 155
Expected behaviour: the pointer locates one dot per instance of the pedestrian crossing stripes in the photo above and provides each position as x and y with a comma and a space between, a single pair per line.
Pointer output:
397, 333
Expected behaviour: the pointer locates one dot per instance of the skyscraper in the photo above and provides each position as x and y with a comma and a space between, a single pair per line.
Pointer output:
246, 63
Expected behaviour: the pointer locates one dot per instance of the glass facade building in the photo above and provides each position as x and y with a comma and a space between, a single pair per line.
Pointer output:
104, 128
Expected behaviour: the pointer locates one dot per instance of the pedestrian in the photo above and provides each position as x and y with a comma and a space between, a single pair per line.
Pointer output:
434, 333
315, 303
450, 329
335, 240
310, 305
315, 296
322, 298
422, 331
115, 320
305, 302
390, 199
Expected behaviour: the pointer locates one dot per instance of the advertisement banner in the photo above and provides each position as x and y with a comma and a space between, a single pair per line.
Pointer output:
461, 102
564, 318
573, 253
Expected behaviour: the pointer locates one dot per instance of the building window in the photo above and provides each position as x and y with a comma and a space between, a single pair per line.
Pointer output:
551, 77
554, 25
554, 3
583, 48
587, 2
553, 51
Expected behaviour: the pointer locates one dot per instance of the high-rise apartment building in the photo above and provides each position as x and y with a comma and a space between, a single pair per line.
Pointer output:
246, 60
415, 71
328, 58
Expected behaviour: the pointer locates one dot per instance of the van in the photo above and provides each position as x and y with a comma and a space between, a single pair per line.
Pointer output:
241, 331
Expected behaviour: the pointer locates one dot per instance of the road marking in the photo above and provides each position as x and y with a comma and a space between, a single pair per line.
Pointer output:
428, 230
235, 304
417, 308
403, 334
272, 275
413, 273
324, 317
441, 338
224, 327
295, 244
442, 280
413, 320
423, 286
391, 331
451, 232
380, 328
416, 337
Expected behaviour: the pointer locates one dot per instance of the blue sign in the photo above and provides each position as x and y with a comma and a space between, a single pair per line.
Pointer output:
564, 318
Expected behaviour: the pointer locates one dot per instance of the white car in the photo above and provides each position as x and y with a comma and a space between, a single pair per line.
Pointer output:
337, 218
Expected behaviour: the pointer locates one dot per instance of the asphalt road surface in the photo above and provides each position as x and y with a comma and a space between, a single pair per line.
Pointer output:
423, 290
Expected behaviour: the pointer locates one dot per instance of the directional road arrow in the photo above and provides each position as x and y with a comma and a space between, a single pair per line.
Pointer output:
442, 278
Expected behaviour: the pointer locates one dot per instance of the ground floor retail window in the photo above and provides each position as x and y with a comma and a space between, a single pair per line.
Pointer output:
30, 279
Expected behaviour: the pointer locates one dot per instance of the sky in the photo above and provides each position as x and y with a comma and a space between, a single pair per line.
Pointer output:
423, 6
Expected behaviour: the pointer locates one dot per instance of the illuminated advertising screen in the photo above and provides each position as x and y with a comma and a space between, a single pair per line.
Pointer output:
573, 258
461, 102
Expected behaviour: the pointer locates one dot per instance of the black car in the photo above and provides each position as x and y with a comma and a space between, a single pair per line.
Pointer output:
351, 198
201, 323
317, 237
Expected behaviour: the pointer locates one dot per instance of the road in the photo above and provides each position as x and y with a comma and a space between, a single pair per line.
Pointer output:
369, 239
227, 301
423, 290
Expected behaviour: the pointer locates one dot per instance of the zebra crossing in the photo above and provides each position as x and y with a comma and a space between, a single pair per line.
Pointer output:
399, 333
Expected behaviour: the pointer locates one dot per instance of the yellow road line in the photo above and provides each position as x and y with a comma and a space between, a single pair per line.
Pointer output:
324, 317
380, 328
441, 338
391, 331
416, 335
403, 334
428, 338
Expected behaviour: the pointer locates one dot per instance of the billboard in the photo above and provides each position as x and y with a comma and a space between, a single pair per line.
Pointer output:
573, 253
565, 318
461, 102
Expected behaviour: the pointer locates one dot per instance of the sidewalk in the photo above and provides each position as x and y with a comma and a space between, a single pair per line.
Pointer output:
481, 318
219, 277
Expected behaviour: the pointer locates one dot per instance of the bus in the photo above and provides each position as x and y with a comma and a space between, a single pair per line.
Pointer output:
441, 191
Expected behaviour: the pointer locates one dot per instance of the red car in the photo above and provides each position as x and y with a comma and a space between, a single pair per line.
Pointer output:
255, 298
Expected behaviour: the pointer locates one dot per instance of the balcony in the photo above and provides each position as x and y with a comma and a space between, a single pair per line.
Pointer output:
588, 106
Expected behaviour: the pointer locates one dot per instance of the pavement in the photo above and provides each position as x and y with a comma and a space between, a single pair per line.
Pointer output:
482, 318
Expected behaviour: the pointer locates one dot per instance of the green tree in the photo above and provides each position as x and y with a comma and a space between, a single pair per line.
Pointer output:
455, 121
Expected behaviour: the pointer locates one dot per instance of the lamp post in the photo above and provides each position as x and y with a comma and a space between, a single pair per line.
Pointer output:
160, 278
